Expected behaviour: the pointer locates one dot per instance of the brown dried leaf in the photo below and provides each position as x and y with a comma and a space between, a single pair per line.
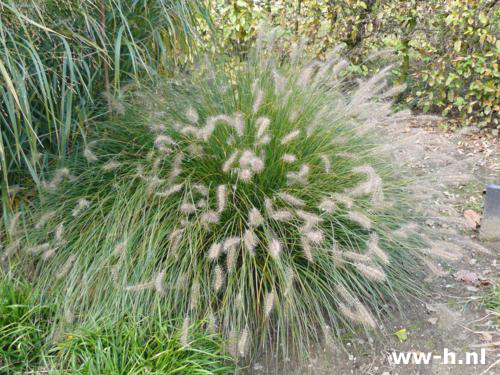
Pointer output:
467, 277
473, 218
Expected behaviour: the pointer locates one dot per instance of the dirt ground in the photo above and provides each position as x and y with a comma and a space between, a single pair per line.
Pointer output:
453, 169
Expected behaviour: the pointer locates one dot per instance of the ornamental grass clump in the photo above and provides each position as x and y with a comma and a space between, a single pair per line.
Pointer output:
257, 200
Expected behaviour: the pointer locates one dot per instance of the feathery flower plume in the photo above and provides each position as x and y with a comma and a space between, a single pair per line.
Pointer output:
230, 242
164, 143
259, 97
274, 248
269, 303
185, 333
339, 140
310, 219
262, 126
153, 182
307, 249
176, 167
195, 150
59, 232
370, 272
212, 121
348, 313
192, 115
188, 208
257, 165
290, 199
140, 287
158, 282
294, 115
157, 128
13, 225
202, 203
372, 186
315, 236
250, 240
11, 249
170, 191
202, 189
290, 137
66, 267
175, 240
327, 206
214, 251
44, 219
191, 130
82, 204
264, 140
282, 215
300, 176
239, 124
58, 177
305, 76
212, 323
327, 163
279, 83
374, 249
195, 295
219, 278
289, 158
89, 155
289, 277
39, 248
231, 258
232, 343
221, 198
228, 164
209, 217
344, 199
47, 254
364, 316
356, 257
245, 175
119, 248
360, 219
344, 293
243, 343
110, 165
255, 218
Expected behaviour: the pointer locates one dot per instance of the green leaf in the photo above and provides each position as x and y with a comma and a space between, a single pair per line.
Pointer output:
457, 45
402, 335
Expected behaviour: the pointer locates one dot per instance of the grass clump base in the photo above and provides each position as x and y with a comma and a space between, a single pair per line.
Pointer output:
257, 200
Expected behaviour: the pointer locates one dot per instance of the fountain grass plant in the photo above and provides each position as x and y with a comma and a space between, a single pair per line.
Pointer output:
257, 199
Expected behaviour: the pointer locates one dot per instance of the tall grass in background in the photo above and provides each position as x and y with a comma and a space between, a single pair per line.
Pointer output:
62, 62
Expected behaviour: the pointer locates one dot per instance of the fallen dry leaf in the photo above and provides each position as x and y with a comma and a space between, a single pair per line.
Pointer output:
467, 277
473, 218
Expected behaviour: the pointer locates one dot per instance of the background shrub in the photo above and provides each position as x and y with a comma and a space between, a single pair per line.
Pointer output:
447, 50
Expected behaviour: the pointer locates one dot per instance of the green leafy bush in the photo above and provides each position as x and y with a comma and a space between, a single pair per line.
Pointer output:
447, 50
258, 200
